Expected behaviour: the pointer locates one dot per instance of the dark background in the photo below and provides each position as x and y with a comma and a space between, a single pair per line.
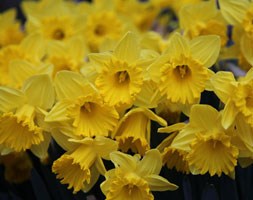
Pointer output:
43, 184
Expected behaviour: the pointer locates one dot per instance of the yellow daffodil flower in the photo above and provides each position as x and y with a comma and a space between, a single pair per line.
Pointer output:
236, 95
67, 55
240, 14
81, 106
20, 110
208, 144
203, 18
182, 71
120, 77
133, 178
54, 20
133, 130
80, 168
31, 49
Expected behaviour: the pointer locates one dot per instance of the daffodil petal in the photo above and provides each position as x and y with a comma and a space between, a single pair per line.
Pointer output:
150, 164
246, 48
172, 128
222, 83
206, 49
93, 179
70, 85
178, 45
158, 183
123, 160
128, 48
203, 116
10, 98
41, 150
104, 146
233, 10
40, 91
100, 166
229, 114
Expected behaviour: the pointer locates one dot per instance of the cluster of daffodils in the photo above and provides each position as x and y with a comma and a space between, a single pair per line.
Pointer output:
95, 76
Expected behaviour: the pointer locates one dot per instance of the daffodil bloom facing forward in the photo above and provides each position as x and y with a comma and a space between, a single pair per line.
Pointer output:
81, 106
184, 67
80, 168
209, 145
20, 112
203, 18
133, 130
133, 178
120, 78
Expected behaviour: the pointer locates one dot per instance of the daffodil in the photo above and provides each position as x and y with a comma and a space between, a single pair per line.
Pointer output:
133, 178
182, 70
80, 168
209, 146
203, 18
20, 113
10, 32
31, 49
133, 130
67, 55
240, 15
81, 106
120, 77
236, 95
54, 20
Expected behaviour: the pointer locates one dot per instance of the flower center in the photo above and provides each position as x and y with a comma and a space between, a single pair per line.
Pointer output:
122, 77
100, 30
87, 107
58, 34
182, 71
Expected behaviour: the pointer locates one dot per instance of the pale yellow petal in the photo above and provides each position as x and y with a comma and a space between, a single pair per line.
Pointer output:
70, 85
104, 146
206, 49
223, 84
190, 14
178, 46
20, 70
150, 164
100, 166
62, 139
233, 10
58, 112
184, 138
40, 91
158, 183
204, 117
93, 179
10, 98
229, 114
128, 48
41, 150
34, 46
123, 160
246, 48
172, 128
